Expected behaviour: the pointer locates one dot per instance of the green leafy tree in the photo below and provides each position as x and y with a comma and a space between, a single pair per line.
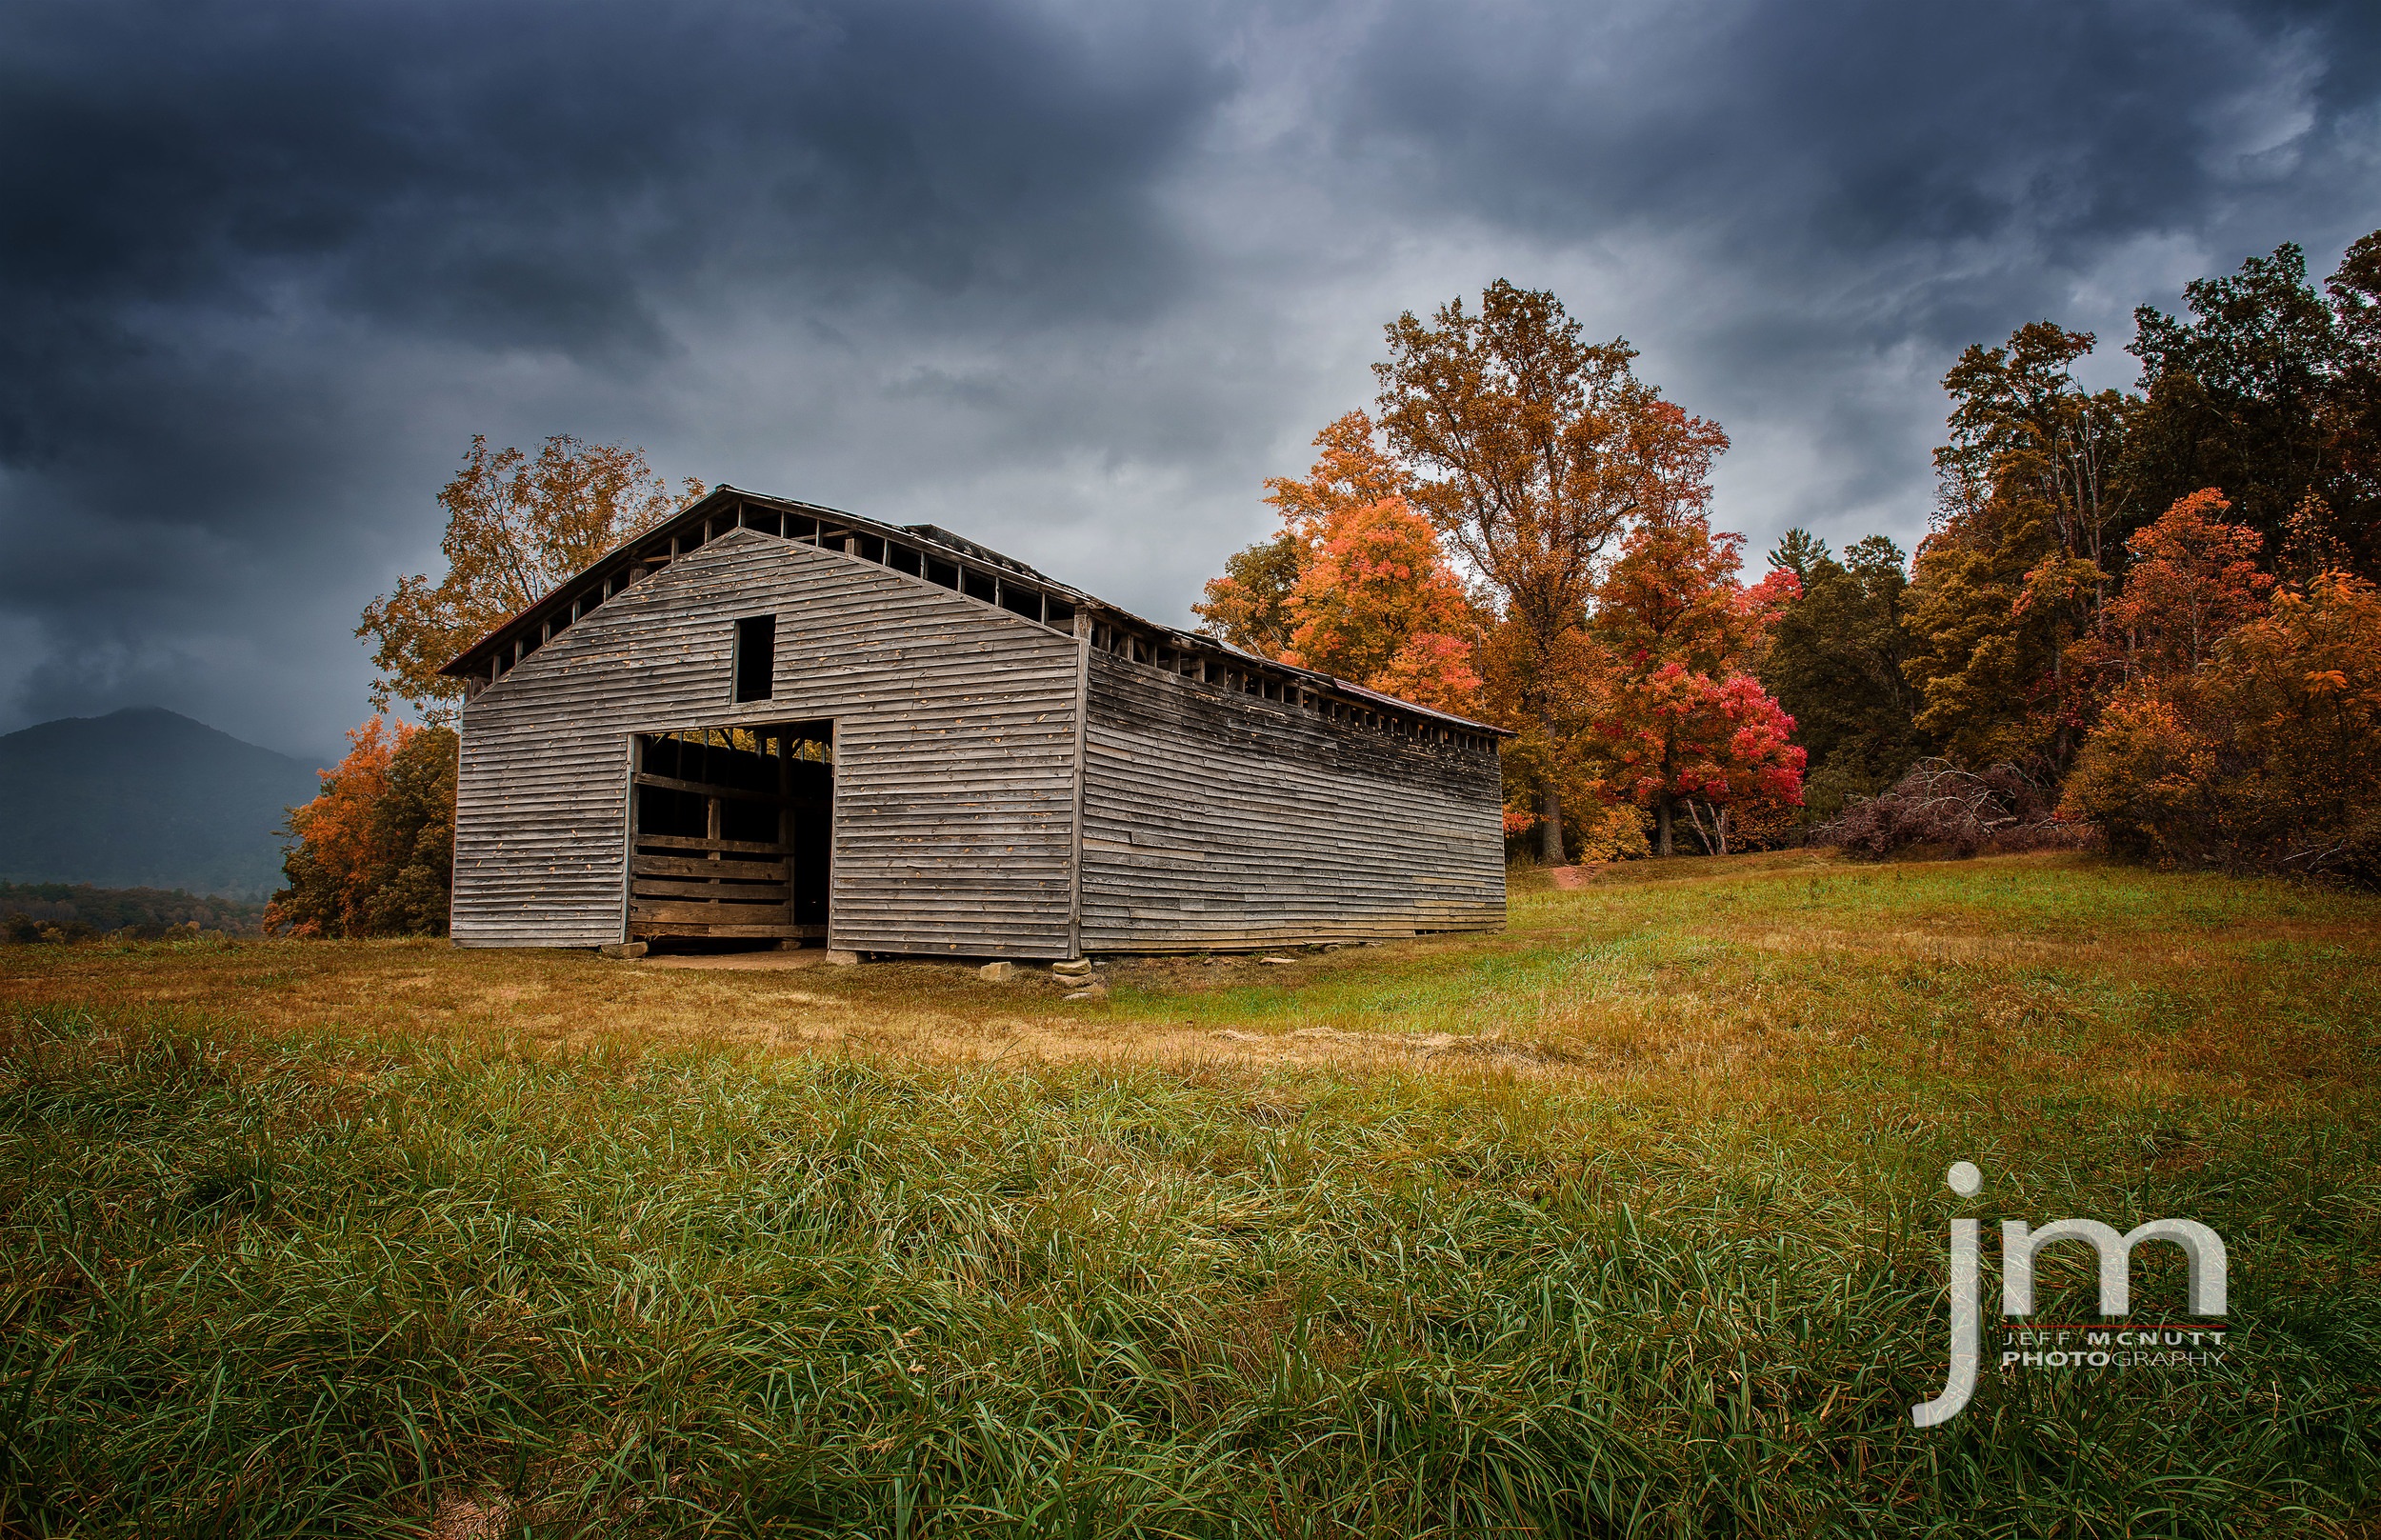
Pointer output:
2021, 558
2353, 408
2267, 392
1837, 661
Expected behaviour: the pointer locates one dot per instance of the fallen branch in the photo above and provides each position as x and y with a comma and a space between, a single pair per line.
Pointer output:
1937, 803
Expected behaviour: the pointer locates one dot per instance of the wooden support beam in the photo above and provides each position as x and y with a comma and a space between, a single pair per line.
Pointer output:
704, 788
775, 893
741, 932
689, 913
729, 847
682, 866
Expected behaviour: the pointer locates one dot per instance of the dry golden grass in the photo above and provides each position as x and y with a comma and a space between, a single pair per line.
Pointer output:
1751, 978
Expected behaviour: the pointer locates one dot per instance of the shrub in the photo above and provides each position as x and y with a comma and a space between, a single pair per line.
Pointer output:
22, 929
1764, 823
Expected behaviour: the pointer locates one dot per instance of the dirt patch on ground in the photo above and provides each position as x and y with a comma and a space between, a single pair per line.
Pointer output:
1416, 1045
736, 962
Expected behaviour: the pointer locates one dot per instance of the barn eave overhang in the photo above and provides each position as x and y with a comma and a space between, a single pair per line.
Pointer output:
657, 549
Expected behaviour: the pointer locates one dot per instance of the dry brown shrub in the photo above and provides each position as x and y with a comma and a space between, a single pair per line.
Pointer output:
1939, 805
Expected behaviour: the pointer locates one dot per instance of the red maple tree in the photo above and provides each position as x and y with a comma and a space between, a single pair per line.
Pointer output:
1678, 716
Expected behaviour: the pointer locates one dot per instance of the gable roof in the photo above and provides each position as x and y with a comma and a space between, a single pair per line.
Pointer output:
727, 508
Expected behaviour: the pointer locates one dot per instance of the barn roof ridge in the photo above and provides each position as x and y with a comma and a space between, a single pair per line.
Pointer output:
559, 599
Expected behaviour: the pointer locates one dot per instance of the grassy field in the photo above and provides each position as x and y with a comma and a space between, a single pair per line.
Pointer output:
1629, 1220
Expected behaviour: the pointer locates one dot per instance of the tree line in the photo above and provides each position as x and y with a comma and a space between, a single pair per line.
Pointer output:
57, 911
2158, 601
2151, 608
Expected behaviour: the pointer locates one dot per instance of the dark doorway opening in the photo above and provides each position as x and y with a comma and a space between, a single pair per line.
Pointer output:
729, 834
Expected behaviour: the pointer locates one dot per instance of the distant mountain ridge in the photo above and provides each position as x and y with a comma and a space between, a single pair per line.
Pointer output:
145, 798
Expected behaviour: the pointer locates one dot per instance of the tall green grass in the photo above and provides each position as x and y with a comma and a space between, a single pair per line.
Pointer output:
261, 1286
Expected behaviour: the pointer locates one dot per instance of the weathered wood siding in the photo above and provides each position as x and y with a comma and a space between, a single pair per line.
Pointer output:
954, 753
1220, 819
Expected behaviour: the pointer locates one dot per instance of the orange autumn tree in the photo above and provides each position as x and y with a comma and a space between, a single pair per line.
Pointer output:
1376, 604
373, 854
2195, 581
515, 528
1680, 718
2249, 735
1355, 586
2299, 692
1533, 450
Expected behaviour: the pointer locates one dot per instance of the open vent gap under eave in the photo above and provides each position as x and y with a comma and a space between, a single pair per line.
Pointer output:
1025, 599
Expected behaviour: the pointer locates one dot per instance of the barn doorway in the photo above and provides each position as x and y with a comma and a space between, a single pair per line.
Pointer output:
729, 833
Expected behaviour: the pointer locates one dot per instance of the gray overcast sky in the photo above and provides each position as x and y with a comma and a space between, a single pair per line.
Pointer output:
1072, 279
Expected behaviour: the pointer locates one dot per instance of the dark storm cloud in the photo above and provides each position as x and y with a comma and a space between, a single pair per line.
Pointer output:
222, 220
520, 172
529, 177
1845, 127
1072, 279
1838, 182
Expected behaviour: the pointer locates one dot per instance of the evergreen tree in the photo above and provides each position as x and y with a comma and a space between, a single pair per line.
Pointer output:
1836, 663
1798, 551
2023, 551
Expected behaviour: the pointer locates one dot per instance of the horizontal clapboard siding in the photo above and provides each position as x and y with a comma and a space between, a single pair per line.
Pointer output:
1220, 820
954, 753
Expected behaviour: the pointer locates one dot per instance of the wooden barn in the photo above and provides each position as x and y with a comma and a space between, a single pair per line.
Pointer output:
768, 720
